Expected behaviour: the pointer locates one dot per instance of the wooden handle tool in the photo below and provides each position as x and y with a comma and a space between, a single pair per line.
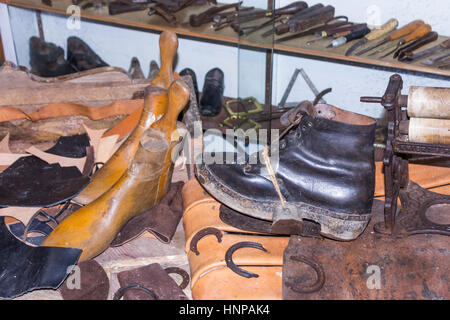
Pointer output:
407, 29
375, 34
416, 34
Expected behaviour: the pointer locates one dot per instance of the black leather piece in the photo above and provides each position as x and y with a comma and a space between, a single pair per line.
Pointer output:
30, 181
81, 56
212, 94
71, 146
47, 59
24, 268
324, 163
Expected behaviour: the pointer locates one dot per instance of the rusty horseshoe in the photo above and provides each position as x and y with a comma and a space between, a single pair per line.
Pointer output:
294, 286
202, 233
235, 268
180, 272
119, 293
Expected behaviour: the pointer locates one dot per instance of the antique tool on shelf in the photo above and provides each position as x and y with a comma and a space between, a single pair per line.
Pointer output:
311, 19
407, 29
207, 16
237, 18
242, 116
426, 39
414, 33
164, 13
305, 14
438, 61
335, 33
323, 28
412, 57
421, 106
418, 33
118, 7
355, 34
374, 34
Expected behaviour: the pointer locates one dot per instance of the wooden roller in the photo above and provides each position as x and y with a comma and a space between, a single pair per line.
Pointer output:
427, 102
434, 131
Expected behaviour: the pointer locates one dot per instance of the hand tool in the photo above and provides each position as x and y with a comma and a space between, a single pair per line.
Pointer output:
327, 25
316, 17
410, 27
117, 7
412, 57
336, 32
375, 34
197, 20
164, 13
299, 15
418, 33
426, 39
436, 60
355, 34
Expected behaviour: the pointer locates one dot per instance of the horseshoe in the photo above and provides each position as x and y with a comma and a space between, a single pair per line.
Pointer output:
235, 268
294, 286
119, 293
180, 272
202, 233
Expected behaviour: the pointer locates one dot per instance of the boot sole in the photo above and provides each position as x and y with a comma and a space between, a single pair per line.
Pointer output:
335, 225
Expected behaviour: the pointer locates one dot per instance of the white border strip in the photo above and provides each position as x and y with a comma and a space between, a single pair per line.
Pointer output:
7, 37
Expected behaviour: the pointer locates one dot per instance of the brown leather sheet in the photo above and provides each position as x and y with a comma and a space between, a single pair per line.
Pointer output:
161, 221
153, 283
373, 266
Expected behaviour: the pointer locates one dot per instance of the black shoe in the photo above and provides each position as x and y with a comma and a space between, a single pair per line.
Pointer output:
212, 94
47, 59
81, 56
325, 173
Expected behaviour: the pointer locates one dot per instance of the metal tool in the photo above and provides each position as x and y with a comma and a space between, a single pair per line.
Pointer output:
410, 27
356, 34
282, 104
445, 45
321, 28
418, 43
419, 32
434, 60
375, 34
335, 33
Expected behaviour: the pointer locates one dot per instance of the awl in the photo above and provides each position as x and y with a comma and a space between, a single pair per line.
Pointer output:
356, 34
375, 34
410, 27
419, 32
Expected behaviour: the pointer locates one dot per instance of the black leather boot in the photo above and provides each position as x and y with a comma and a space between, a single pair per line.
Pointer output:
81, 56
47, 59
325, 173
212, 94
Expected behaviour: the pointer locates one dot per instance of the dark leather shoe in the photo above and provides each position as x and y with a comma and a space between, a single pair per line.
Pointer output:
81, 56
325, 172
212, 94
47, 59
